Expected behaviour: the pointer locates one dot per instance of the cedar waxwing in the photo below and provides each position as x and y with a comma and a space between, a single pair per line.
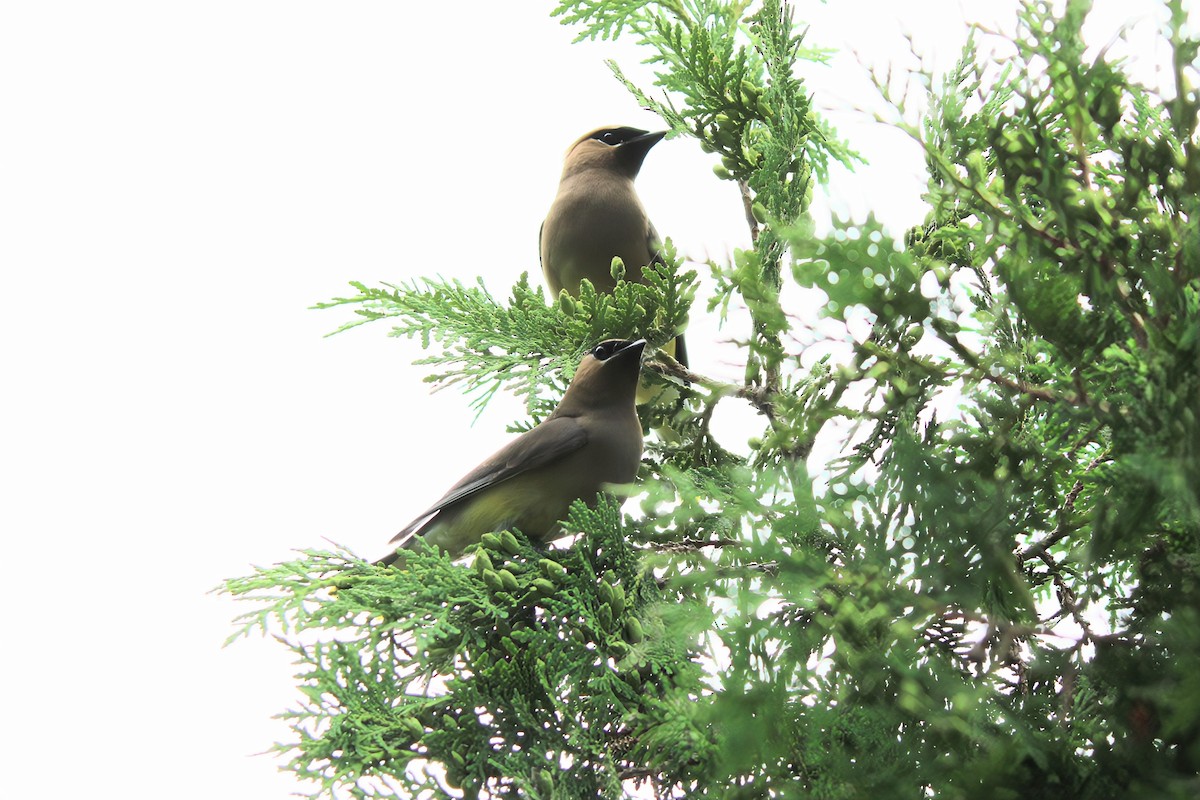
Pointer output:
597, 215
592, 438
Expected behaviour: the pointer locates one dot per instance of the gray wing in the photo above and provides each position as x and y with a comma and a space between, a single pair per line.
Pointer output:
548, 442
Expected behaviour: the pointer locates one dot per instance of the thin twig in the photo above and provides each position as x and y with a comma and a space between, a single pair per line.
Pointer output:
1061, 531
757, 396
1028, 389
748, 205
693, 545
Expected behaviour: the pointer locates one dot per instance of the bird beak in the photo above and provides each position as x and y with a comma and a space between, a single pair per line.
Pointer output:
630, 350
647, 140
633, 151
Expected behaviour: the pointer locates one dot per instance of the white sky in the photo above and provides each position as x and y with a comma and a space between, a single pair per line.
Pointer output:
178, 183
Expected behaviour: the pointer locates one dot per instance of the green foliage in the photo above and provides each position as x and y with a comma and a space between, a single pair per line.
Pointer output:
524, 672
1032, 440
527, 347
991, 591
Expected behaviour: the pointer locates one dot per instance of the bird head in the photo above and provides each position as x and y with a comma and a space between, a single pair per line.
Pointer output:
620, 149
607, 377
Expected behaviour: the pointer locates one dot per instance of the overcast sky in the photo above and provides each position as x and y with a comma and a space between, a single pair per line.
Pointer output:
179, 182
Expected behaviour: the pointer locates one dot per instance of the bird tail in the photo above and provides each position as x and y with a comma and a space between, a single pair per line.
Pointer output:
404, 540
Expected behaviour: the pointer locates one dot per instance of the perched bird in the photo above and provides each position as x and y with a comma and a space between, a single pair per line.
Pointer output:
597, 215
592, 438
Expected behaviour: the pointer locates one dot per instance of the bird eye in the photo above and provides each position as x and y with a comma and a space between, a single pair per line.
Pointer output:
604, 350
608, 137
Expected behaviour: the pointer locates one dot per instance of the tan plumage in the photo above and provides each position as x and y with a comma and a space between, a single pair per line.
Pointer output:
591, 439
597, 215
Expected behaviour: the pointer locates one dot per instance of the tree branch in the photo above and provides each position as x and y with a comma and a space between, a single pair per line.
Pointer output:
748, 205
